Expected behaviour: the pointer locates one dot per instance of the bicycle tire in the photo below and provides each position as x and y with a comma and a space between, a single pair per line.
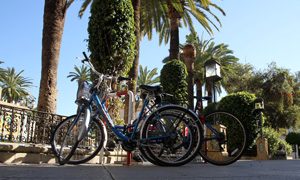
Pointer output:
63, 160
166, 152
91, 153
143, 151
148, 157
229, 146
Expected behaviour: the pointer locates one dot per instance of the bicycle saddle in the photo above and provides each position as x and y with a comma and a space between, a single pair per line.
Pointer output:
151, 88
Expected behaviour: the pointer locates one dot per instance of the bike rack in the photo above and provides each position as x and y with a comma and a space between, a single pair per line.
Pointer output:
130, 117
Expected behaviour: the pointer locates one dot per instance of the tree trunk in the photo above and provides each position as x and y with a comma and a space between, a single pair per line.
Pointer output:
54, 18
133, 73
199, 92
174, 33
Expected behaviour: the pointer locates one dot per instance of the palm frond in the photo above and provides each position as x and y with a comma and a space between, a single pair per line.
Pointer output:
85, 4
69, 2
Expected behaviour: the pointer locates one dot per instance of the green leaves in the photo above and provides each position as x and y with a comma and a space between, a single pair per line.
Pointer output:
111, 36
208, 49
14, 85
146, 77
173, 79
241, 105
275, 142
82, 73
293, 138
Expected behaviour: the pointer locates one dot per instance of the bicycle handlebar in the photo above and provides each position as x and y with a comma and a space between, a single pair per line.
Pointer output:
85, 56
102, 76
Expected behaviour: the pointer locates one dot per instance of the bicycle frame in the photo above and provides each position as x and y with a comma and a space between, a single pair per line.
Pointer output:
215, 133
117, 130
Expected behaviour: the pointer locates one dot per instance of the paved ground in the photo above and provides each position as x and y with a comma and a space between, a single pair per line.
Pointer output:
266, 170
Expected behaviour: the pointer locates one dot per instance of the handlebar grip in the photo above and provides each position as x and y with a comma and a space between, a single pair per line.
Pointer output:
120, 78
85, 57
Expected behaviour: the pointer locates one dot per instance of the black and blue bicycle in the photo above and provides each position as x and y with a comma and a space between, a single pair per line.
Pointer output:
166, 135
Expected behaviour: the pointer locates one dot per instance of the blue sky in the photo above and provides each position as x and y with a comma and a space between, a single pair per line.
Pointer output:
258, 32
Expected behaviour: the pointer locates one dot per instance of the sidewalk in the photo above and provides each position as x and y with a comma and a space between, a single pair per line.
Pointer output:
266, 170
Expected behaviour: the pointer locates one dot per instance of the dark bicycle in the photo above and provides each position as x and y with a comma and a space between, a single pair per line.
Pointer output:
224, 136
159, 131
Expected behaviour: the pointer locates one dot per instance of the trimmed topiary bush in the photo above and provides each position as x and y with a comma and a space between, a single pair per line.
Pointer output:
241, 105
111, 36
173, 79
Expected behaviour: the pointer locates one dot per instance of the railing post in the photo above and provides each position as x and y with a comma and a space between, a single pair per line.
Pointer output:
11, 125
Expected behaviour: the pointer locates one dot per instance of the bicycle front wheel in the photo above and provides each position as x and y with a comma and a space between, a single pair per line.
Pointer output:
172, 136
84, 150
224, 138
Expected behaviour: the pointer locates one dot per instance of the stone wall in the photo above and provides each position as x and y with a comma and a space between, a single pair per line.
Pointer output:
38, 154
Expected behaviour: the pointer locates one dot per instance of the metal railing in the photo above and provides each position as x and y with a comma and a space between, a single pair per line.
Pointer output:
23, 125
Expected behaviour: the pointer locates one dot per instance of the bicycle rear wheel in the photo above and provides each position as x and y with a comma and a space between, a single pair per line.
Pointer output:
86, 149
224, 138
172, 136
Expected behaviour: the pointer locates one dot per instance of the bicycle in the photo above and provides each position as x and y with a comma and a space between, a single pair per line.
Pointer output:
224, 136
158, 131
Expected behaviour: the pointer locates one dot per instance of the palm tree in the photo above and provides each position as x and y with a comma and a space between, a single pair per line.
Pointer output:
206, 50
146, 76
178, 10
14, 85
54, 19
82, 73
164, 16
2, 71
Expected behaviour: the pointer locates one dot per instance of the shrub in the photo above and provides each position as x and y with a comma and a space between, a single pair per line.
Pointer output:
276, 144
293, 138
241, 105
111, 36
211, 107
173, 79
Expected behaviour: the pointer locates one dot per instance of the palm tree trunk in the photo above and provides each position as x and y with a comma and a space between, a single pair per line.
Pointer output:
174, 33
199, 92
133, 73
54, 18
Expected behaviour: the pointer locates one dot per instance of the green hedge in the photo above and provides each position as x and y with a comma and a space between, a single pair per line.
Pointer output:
293, 138
111, 36
241, 105
173, 79
275, 142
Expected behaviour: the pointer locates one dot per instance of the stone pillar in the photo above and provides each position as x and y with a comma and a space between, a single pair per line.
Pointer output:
212, 147
262, 149
189, 55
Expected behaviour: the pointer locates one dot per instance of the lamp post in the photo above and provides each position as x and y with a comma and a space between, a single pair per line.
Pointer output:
259, 108
212, 74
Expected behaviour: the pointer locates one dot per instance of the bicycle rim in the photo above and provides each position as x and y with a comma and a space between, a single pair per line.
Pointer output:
224, 138
172, 136
67, 144
87, 148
